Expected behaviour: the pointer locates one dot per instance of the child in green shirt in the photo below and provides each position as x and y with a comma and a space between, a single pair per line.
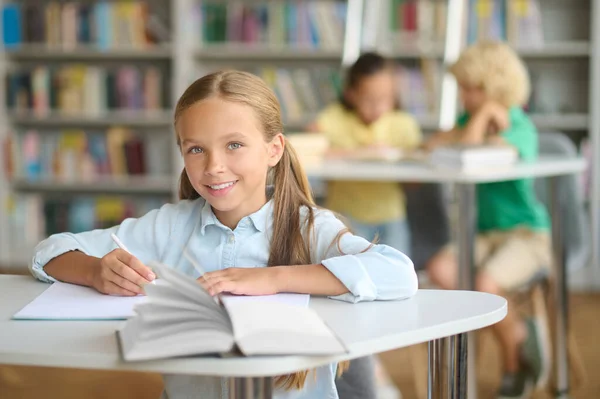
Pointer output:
513, 241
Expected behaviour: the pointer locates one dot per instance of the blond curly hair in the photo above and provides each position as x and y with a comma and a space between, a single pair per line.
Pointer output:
497, 69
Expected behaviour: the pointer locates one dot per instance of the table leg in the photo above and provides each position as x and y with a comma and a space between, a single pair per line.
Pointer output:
450, 382
458, 378
435, 368
251, 388
467, 225
560, 295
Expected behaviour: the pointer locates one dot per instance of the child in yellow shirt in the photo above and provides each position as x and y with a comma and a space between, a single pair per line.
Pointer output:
367, 119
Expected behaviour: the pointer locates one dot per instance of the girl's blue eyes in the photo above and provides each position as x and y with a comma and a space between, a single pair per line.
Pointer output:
198, 150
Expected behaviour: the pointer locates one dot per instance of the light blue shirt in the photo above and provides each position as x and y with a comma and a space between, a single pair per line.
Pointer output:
379, 273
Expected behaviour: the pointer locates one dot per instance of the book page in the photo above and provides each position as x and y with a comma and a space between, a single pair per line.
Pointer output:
271, 328
63, 301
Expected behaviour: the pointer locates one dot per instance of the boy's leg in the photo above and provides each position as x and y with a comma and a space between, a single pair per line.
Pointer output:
513, 264
442, 268
509, 331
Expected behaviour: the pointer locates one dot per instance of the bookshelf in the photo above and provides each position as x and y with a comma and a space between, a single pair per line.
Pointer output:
75, 72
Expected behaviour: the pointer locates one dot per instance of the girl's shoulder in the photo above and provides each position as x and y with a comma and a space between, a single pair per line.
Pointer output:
320, 215
182, 209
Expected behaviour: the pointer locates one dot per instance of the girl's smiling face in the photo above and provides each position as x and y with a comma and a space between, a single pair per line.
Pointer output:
226, 156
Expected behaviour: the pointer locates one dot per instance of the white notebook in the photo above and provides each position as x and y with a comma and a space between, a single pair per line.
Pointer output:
62, 301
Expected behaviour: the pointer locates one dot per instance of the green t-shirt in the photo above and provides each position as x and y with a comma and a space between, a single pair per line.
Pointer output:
510, 204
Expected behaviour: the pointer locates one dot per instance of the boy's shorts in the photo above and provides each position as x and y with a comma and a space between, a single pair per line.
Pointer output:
511, 257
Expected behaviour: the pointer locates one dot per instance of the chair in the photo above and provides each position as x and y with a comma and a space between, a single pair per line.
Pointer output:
571, 202
576, 228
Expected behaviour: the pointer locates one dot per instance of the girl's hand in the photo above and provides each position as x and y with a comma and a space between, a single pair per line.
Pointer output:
120, 273
241, 281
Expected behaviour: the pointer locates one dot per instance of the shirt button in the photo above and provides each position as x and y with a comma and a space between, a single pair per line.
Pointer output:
231, 238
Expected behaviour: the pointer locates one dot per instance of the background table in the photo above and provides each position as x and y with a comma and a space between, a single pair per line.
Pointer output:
464, 181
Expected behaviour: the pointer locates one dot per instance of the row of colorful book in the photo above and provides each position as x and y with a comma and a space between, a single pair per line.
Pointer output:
68, 25
303, 92
418, 19
84, 89
316, 24
519, 22
31, 217
80, 156
419, 87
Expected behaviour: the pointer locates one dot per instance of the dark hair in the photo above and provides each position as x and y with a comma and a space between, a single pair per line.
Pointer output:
368, 64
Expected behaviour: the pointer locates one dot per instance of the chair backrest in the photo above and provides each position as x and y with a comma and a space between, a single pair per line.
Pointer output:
427, 216
576, 229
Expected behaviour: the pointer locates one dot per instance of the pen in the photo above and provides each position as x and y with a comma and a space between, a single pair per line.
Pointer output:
122, 246
119, 243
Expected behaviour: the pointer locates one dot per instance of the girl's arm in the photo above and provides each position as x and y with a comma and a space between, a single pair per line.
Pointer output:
368, 271
74, 258
351, 270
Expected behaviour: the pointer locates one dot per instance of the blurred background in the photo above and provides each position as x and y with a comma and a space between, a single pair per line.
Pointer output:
88, 89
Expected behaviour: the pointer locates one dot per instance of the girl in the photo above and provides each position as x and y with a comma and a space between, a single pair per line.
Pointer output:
250, 241
367, 121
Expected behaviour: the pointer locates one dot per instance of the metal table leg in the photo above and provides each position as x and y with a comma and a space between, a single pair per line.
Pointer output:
450, 382
435, 368
467, 224
251, 388
560, 295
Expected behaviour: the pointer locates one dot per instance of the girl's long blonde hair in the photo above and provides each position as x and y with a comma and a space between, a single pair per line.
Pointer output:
292, 191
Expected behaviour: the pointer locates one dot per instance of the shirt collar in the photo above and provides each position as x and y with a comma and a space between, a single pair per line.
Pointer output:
259, 218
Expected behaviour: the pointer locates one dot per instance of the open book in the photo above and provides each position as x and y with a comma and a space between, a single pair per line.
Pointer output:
179, 318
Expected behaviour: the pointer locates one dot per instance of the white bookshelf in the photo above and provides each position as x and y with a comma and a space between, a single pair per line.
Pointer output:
163, 55
156, 185
136, 119
90, 53
263, 53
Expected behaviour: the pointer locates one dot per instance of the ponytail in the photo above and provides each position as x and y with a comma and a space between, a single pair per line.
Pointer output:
288, 246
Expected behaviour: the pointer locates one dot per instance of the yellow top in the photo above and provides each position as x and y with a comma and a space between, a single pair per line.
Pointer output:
367, 202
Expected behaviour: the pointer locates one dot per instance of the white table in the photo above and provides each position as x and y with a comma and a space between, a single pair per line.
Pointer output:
366, 328
546, 166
